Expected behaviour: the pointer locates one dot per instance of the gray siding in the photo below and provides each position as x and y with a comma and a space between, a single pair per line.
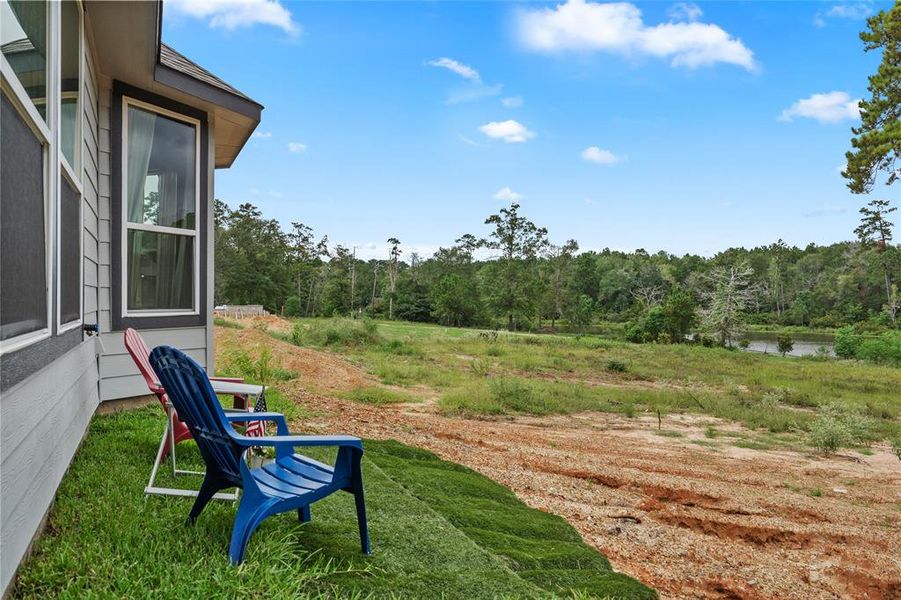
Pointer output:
90, 191
120, 378
43, 420
104, 97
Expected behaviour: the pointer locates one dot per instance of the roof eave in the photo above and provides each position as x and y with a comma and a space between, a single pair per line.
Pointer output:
192, 86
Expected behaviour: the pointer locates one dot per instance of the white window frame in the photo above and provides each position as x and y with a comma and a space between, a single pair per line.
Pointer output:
125, 226
70, 171
44, 131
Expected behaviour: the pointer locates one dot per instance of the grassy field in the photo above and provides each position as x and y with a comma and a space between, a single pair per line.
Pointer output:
438, 530
473, 372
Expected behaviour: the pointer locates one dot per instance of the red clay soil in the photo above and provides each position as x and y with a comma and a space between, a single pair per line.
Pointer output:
691, 521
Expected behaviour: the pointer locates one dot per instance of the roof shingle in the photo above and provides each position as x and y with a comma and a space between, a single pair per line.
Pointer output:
173, 59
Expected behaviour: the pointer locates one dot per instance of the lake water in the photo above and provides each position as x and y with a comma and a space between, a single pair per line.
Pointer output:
805, 344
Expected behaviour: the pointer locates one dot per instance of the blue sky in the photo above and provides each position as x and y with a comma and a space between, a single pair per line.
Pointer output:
676, 126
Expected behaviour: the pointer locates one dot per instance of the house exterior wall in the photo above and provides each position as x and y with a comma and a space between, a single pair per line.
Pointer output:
44, 416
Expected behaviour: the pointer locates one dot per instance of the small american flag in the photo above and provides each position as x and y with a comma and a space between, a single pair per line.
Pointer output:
256, 428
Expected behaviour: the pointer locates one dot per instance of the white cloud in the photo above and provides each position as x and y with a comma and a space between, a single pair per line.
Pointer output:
474, 92
262, 135
507, 195
618, 28
474, 89
464, 71
467, 140
512, 101
830, 107
600, 156
825, 211
297, 147
234, 14
510, 131
685, 11
845, 10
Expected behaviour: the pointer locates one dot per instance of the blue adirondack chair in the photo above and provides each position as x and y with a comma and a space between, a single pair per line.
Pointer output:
291, 482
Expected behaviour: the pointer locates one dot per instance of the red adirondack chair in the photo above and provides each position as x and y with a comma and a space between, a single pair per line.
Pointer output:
135, 345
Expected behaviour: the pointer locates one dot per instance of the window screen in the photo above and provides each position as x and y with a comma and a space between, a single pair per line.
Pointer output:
69, 253
23, 41
23, 273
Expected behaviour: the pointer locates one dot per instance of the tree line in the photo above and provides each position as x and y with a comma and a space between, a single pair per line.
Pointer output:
529, 283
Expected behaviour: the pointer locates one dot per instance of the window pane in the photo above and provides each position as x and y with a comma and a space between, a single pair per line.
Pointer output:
23, 41
69, 253
160, 184
69, 82
23, 276
160, 271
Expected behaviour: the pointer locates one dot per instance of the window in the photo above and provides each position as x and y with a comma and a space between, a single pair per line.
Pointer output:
70, 81
23, 231
160, 211
23, 42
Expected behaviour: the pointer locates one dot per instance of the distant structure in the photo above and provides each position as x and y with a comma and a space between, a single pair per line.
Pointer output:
239, 311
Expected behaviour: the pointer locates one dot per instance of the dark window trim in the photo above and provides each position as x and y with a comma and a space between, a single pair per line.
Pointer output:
119, 322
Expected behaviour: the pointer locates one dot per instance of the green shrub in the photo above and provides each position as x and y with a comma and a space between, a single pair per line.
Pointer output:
743, 343
292, 306
651, 328
336, 331
617, 366
828, 434
885, 349
400, 348
846, 342
784, 343
840, 426
263, 369
220, 322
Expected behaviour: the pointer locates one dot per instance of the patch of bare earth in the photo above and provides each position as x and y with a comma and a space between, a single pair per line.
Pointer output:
315, 369
691, 521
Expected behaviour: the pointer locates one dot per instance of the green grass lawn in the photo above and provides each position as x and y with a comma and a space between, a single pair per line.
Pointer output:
439, 530
542, 374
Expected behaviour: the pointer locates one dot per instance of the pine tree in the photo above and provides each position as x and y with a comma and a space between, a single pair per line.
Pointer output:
877, 142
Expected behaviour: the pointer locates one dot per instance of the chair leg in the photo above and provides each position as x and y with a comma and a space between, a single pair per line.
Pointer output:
207, 490
246, 521
304, 515
360, 502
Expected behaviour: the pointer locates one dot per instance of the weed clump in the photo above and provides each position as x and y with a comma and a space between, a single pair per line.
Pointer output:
839, 427
336, 332
617, 366
263, 369
378, 396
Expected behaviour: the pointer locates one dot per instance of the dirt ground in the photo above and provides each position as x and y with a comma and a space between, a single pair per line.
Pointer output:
691, 521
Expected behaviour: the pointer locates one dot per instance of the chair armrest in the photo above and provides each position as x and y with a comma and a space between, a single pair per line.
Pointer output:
278, 418
228, 379
290, 441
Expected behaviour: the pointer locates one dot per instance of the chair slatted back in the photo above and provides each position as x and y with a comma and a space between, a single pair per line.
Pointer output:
189, 390
139, 351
